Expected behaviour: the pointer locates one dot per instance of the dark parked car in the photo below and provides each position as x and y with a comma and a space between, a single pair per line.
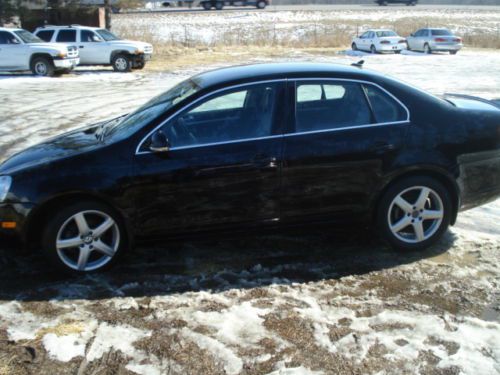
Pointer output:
257, 145
407, 2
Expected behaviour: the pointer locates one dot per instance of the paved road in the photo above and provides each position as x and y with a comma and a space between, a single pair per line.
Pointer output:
326, 7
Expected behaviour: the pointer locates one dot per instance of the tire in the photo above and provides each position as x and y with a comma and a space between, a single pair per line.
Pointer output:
373, 50
219, 5
453, 52
140, 65
397, 52
261, 4
206, 5
42, 67
79, 248
121, 63
427, 49
407, 221
354, 47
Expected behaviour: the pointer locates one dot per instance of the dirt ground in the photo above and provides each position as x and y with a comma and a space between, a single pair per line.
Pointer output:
318, 300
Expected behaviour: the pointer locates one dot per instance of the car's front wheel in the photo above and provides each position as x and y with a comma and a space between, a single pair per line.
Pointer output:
122, 63
261, 4
84, 237
354, 47
42, 66
414, 213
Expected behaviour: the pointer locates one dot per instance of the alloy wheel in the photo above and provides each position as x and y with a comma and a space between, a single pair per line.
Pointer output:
40, 68
415, 214
121, 64
88, 240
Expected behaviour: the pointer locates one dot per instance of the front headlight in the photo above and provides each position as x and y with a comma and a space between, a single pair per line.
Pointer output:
62, 54
138, 51
5, 182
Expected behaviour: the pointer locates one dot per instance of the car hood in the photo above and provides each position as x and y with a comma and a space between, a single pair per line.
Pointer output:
61, 147
129, 43
51, 46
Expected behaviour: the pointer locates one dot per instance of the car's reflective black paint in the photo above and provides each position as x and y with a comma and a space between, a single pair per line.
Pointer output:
281, 178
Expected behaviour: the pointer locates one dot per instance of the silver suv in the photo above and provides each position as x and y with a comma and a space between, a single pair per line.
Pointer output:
99, 46
430, 40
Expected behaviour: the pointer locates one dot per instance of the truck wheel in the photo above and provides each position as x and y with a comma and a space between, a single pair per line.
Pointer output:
219, 5
206, 5
121, 63
140, 65
42, 66
261, 4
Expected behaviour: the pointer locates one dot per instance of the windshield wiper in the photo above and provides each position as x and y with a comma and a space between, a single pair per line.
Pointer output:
100, 133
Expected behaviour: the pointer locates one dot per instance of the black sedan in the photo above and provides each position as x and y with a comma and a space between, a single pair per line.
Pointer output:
257, 145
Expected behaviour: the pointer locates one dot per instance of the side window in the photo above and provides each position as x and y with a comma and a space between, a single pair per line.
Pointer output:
232, 115
7, 38
88, 36
384, 107
45, 35
330, 105
364, 35
66, 36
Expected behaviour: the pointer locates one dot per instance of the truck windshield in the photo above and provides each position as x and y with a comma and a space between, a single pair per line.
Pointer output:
106, 35
28, 37
154, 108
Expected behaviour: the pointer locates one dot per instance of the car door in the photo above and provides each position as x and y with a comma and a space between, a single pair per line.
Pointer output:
345, 136
421, 39
360, 41
13, 53
93, 49
223, 166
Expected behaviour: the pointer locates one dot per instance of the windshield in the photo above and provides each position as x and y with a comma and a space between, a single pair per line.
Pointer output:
154, 108
386, 33
441, 32
107, 35
28, 37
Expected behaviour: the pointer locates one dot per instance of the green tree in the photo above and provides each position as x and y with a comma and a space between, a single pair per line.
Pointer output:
8, 10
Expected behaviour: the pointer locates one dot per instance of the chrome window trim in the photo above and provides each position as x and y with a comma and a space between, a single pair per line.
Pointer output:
295, 80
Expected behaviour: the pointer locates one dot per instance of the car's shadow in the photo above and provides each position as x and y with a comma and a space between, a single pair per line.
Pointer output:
220, 264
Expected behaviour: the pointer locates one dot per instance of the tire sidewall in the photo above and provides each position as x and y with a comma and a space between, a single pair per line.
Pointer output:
129, 63
392, 192
49, 66
261, 4
55, 223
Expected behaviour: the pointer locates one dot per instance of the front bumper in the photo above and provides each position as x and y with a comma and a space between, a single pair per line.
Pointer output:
14, 213
66, 63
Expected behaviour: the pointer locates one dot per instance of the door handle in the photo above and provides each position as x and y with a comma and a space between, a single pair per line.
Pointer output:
382, 146
82, 47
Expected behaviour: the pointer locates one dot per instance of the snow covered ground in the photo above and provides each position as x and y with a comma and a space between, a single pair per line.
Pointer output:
243, 27
309, 302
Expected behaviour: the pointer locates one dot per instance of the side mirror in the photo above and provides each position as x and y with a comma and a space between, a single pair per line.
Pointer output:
159, 142
412, 34
95, 38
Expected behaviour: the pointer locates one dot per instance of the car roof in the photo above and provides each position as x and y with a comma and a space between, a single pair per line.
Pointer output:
55, 27
271, 71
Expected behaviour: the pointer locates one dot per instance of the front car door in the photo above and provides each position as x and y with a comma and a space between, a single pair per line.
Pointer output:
93, 49
345, 137
13, 53
223, 166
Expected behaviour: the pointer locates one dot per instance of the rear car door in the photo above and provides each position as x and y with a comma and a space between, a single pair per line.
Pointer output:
223, 167
345, 136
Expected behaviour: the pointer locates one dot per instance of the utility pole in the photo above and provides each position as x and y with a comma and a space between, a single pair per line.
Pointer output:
107, 14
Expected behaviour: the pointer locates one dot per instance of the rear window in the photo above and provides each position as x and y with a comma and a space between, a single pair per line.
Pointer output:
441, 32
385, 108
386, 33
66, 36
45, 35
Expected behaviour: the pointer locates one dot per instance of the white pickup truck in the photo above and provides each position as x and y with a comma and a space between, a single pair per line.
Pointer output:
20, 51
100, 46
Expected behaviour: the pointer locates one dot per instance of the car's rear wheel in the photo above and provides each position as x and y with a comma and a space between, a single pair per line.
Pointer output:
84, 237
261, 4
427, 49
373, 49
219, 5
42, 66
206, 5
354, 47
453, 52
122, 63
414, 213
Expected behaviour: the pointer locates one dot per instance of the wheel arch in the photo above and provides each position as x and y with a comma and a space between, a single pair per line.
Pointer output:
41, 54
118, 52
34, 228
436, 173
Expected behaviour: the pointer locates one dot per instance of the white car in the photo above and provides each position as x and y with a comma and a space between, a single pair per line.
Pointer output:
378, 41
100, 46
438, 39
20, 51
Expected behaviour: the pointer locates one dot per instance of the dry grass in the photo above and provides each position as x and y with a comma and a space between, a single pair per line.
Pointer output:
62, 329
